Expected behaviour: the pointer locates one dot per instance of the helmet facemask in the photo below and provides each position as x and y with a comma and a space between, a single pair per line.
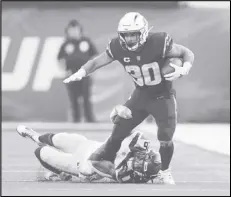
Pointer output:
145, 165
132, 40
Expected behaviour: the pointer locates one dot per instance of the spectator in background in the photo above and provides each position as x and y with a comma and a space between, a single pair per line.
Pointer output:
74, 52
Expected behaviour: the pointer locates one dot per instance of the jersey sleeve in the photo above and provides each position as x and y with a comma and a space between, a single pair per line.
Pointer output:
167, 45
110, 49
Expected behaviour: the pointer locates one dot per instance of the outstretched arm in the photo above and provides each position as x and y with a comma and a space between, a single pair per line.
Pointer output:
99, 61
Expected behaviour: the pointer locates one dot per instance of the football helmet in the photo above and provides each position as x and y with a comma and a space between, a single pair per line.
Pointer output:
141, 164
132, 30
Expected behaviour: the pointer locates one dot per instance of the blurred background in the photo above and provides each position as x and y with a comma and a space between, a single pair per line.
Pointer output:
32, 33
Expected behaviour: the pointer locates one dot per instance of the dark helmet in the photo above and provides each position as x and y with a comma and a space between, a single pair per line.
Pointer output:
141, 164
145, 165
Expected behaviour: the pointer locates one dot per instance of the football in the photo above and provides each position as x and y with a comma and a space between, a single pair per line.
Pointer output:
166, 69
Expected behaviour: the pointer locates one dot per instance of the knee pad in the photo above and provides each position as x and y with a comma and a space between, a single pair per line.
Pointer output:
118, 120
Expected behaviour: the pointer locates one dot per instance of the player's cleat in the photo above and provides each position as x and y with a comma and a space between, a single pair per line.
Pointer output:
164, 177
28, 133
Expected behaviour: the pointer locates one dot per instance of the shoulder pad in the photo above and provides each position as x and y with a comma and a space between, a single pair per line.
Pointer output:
111, 47
163, 41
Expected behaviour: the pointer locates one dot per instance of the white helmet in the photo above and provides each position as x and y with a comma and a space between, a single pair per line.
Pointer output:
133, 22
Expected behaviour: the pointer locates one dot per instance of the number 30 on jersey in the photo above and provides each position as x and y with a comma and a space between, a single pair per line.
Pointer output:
147, 74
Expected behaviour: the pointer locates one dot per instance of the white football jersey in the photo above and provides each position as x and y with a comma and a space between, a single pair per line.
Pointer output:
87, 147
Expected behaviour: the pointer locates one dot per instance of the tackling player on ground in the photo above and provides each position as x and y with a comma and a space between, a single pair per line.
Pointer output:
143, 55
66, 156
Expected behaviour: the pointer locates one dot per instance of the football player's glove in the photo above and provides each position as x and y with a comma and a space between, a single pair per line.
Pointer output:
179, 71
76, 76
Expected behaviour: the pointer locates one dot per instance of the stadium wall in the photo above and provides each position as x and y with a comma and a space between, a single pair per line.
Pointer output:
32, 88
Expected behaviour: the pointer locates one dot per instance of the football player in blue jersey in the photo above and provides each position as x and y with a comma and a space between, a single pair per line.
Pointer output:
143, 55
